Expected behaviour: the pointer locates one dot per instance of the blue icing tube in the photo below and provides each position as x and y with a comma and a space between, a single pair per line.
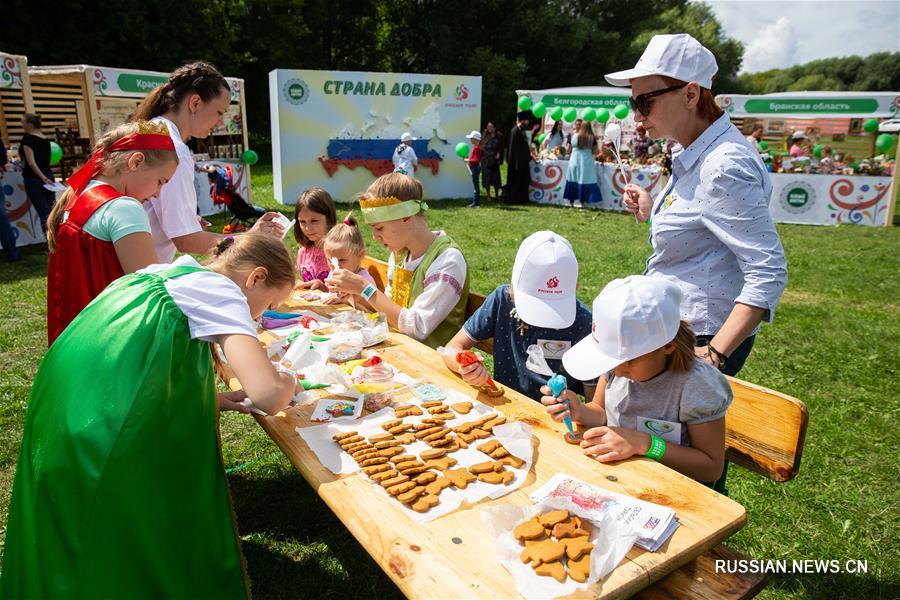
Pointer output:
557, 384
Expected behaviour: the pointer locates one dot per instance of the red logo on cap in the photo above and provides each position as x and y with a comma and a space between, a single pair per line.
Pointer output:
552, 282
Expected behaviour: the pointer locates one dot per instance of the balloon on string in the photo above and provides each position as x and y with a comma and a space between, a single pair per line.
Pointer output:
462, 150
817, 150
570, 115
524, 103
621, 111
871, 125
602, 115
589, 115
542, 137
557, 113
884, 142
539, 109
55, 153
249, 157
763, 145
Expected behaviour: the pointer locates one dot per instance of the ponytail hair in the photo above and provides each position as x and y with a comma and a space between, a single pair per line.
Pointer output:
346, 234
683, 357
199, 78
248, 251
112, 164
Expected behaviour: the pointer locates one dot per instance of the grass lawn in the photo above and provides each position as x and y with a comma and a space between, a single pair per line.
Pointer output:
834, 345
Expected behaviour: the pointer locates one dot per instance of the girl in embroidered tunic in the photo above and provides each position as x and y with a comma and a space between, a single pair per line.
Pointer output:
98, 231
314, 216
120, 491
428, 280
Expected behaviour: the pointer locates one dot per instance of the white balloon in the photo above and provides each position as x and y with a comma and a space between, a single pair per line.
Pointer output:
613, 134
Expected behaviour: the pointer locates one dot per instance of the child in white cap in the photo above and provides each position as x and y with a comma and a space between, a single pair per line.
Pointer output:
474, 163
654, 397
538, 309
405, 159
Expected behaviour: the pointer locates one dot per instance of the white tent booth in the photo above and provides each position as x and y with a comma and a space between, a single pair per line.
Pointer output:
826, 199
548, 175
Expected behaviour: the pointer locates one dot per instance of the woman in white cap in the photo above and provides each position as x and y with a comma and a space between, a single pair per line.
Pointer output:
654, 397
711, 230
405, 159
474, 163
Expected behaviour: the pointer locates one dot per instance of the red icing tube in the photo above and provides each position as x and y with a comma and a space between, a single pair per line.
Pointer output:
466, 358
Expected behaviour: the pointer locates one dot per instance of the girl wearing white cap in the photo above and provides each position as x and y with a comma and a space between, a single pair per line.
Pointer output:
405, 159
711, 230
474, 164
652, 389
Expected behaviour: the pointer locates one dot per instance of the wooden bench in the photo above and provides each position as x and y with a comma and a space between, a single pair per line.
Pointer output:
764, 432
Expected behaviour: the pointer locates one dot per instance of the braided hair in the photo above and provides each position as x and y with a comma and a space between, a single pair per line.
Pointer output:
199, 78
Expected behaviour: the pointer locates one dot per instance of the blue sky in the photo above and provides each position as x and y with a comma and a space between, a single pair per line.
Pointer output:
778, 34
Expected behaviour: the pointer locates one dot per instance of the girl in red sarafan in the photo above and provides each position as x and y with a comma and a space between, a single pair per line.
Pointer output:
474, 163
98, 231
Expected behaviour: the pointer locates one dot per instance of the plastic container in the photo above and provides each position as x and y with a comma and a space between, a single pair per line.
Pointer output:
379, 381
341, 352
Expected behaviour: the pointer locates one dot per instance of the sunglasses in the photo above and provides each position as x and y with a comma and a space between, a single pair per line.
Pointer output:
642, 103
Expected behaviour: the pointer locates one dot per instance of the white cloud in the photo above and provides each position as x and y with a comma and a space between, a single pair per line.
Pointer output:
774, 47
818, 29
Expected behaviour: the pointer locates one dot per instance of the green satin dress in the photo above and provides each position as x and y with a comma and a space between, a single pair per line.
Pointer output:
120, 490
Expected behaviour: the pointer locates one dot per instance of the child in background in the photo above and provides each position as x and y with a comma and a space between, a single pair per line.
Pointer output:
538, 309
474, 163
98, 231
404, 158
652, 388
344, 243
120, 461
314, 216
428, 280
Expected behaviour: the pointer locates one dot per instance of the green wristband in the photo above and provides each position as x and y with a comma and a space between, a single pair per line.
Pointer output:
657, 447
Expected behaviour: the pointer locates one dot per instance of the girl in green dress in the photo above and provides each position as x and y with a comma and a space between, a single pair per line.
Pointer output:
120, 490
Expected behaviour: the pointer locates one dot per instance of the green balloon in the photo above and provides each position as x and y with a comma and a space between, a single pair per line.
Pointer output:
539, 110
871, 125
570, 115
763, 145
884, 142
462, 150
621, 111
557, 113
602, 115
785, 153
250, 157
541, 138
589, 115
524, 103
55, 153
817, 150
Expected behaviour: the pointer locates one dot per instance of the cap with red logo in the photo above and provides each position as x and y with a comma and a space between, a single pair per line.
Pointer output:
544, 278
632, 317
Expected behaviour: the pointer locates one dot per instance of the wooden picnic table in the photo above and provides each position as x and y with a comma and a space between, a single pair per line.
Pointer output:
453, 556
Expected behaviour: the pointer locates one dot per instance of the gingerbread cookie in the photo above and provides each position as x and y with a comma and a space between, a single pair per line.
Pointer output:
348, 441
394, 481
442, 441
409, 464
436, 435
435, 487
400, 488
485, 467
402, 458
387, 444
488, 446
441, 464
567, 529
383, 476
480, 434
436, 409
376, 469
489, 426
462, 408
375, 460
580, 569
577, 547
389, 452
556, 570
425, 432
432, 404
528, 530
425, 502
398, 429
444, 416
549, 519
460, 478
381, 437
342, 436
512, 461
392, 423
546, 551
433, 453
425, 478
412, 411
407, 497
406, 438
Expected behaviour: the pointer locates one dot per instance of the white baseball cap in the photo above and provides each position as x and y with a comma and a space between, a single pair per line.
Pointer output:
475, 135
632, 316
544, 278
406, 137
677, 55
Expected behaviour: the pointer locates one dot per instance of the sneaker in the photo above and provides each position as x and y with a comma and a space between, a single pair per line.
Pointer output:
474, 205
578, 204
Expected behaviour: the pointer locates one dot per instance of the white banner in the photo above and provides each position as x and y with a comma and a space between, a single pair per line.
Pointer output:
804, 199
338, 130
548, 181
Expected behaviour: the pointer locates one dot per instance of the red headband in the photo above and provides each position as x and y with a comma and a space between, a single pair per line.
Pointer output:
135, 141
